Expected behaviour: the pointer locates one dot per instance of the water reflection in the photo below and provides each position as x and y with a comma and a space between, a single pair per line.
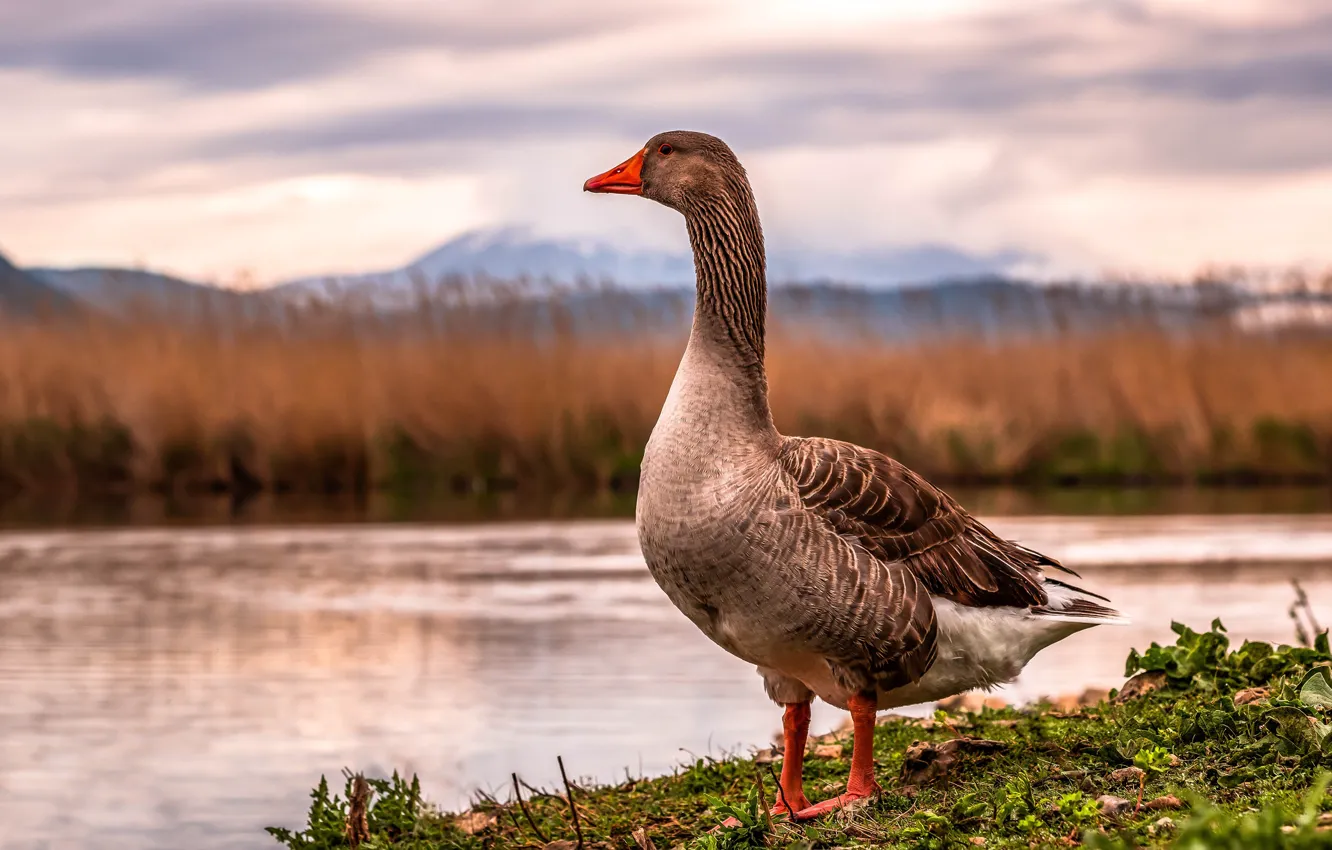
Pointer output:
185, 687
269, 509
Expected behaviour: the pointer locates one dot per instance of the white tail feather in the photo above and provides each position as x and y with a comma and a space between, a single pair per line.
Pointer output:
1062, 597
1115, 619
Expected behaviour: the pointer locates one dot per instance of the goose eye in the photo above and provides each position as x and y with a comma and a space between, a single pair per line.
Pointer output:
665, 150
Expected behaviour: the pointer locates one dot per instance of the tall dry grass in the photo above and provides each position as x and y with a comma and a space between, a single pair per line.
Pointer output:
467, 396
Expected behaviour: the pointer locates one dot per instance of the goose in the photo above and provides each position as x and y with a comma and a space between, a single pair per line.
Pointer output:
834, 569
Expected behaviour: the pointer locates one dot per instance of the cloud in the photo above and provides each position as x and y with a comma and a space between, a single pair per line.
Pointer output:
1049, 126
237, 44
431, 124
1145, 90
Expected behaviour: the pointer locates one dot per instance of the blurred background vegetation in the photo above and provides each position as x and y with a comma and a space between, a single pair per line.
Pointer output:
481, 386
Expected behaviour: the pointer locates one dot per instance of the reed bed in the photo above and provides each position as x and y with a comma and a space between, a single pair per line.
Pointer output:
517, 392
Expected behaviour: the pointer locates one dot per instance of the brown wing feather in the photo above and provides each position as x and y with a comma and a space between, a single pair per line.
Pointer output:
902, 519
881, 628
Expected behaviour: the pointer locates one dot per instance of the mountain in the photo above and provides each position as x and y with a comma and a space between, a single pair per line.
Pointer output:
116, 290
22, 294
511, 253
898, 293
975, 307
514, 253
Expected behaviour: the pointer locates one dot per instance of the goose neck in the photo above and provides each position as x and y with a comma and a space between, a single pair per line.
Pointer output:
731, 303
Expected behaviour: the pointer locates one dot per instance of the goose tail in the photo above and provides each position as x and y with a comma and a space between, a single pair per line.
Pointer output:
1069, 604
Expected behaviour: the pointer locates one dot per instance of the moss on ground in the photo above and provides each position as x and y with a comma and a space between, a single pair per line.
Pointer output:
1228, 750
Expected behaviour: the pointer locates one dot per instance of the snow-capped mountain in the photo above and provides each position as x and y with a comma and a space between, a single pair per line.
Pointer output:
512, 253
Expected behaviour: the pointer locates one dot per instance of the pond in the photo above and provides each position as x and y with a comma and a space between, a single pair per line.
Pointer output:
185, 687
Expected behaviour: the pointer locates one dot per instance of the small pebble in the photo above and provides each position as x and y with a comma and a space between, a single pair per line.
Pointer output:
1142, 683
474, 822
1169, 801
1250, 695
1161, 826
1125, 776
971, 703
827, 751
1112, 806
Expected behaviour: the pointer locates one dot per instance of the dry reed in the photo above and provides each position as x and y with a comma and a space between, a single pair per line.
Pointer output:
499, 395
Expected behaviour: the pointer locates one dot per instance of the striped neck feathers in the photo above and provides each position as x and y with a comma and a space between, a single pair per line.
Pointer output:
732, 298
729, 266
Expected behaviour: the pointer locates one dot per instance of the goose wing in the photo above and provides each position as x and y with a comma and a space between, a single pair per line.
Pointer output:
901, 518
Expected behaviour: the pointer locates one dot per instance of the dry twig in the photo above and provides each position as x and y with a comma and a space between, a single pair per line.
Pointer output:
357, 827
523, 805
781, 793
1301, 604
763, 798
568, 790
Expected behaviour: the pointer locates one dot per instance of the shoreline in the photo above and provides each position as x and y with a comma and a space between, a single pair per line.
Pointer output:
1205, 740
79, 509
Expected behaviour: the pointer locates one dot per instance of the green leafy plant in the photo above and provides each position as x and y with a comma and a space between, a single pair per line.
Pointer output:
1316, 688
1210, 827
1201, 661
1029, 824
395, 812
324, 823
1150, 760
1078, 809
928, 831
750, 831
969, 808
1013, 802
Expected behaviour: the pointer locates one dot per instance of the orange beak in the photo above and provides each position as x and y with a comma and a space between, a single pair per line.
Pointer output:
624, 179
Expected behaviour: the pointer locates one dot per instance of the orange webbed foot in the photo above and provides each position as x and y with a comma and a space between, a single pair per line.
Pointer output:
834, 803
861, 785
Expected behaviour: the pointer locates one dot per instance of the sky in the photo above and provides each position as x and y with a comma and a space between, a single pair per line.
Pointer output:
256, 140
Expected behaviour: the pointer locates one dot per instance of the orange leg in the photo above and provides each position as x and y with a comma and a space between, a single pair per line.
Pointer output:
795, 729
861, 783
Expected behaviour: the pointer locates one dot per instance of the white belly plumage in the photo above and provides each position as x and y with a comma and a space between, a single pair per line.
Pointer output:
977, 648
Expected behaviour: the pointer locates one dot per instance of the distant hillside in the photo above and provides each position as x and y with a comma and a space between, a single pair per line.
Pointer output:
508, 254
22, 294
988, 307
906, 294
117, 290
985, 306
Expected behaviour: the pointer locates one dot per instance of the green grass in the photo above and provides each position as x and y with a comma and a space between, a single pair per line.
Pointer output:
1244, 774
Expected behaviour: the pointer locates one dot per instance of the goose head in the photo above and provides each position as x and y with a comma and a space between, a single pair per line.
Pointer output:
676, 168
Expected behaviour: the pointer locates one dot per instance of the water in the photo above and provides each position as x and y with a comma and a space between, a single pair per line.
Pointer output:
186, 687
37, 511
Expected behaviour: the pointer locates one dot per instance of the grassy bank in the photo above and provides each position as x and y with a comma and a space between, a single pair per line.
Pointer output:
1206, 748
466, 398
